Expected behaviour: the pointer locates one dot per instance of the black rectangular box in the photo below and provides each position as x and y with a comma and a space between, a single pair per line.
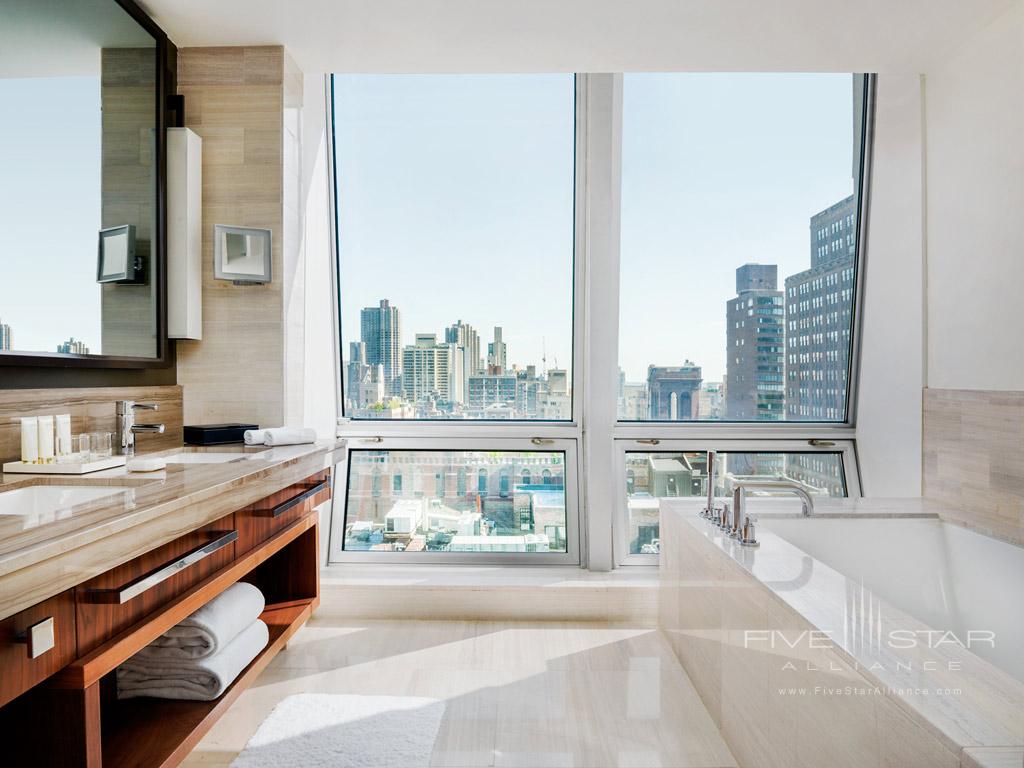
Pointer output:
216, 434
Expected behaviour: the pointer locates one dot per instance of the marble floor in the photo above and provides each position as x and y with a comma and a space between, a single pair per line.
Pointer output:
538, 694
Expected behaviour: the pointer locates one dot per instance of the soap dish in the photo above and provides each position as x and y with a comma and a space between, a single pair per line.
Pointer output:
150, 464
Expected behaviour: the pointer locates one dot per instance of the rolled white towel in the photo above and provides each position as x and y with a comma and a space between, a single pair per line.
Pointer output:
195, 680
288, 436
254, 436
210, 628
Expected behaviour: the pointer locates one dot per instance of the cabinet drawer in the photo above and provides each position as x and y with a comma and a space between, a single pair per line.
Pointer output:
35, 643
259, 521
113, 601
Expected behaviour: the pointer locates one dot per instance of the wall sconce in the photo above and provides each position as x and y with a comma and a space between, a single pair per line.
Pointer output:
241, 254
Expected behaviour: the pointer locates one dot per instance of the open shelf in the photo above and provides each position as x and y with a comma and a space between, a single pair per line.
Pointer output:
146, 733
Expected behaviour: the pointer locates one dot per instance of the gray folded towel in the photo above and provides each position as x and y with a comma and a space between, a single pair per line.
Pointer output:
210, 628
196, 679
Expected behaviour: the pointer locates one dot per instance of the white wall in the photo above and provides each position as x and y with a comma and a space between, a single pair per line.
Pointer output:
320, 394
889, 396
975, 209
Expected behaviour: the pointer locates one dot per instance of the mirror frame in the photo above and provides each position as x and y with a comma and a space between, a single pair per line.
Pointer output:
166, 87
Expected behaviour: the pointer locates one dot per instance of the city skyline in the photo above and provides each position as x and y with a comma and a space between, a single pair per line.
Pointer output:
718, 170
796, 355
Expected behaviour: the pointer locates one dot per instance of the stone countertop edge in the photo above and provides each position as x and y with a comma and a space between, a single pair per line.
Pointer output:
157, 498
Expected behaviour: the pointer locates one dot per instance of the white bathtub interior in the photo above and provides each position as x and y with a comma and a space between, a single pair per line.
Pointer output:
946, 576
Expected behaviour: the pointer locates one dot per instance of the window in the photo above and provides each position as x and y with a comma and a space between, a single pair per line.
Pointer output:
436, 516
482, 274
455, 237
730, 184
653, 475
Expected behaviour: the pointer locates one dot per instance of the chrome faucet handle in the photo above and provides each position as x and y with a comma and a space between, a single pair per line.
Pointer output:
146, 406
749, 537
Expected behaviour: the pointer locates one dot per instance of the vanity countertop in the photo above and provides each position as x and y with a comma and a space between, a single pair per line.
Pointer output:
43, 552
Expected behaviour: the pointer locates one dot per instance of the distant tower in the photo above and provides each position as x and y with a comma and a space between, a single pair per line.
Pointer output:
73, 347
756, 346
674, 391
5, 337
819, 304
497, 354
465, 337
381, 332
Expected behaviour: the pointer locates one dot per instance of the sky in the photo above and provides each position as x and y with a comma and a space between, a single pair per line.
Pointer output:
455, 199
719, 170
50, 210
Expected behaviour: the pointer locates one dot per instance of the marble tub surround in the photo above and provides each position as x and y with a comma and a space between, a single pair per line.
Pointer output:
37, 562
747, 626
92, 410
974, 458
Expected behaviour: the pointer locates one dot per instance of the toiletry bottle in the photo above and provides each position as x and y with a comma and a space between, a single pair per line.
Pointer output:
63, 436
46, 439
30, 440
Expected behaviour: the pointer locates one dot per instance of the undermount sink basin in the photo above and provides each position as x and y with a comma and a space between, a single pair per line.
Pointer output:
42, 503
209, 457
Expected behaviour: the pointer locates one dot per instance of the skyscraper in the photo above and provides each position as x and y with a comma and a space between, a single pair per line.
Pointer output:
673, 391
354, 371
755, 341
381, 332
465, 336
497, 354
432, 371
73, 347
819, 303
5, 337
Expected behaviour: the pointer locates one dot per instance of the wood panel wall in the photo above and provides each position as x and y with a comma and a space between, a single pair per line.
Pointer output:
235, 99
974, 458
92, 410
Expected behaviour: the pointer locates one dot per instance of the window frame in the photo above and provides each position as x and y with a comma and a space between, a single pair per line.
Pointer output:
370, 442
783, 427
598, 438
523, 427
846, 449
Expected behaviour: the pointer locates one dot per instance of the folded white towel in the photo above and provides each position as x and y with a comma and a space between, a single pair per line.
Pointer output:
210, 628
254, 436
197, 679
288, 436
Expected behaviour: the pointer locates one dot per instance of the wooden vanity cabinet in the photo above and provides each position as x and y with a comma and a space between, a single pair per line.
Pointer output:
258, 522
115, 600
36, 643
273, 544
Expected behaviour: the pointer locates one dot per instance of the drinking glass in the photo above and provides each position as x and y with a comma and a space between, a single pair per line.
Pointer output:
100, 445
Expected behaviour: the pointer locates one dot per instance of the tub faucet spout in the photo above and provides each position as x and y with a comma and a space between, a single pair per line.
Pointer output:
742, 524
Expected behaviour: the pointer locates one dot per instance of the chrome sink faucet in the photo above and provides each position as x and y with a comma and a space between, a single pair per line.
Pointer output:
126, 428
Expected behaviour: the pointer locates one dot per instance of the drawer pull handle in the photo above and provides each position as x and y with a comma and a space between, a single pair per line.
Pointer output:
40, 638
294, 501
121, 595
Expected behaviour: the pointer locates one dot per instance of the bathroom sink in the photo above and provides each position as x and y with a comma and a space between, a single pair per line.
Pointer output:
43, 503
209, 457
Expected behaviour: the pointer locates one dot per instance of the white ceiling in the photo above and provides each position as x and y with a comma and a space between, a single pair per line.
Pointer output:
586, 35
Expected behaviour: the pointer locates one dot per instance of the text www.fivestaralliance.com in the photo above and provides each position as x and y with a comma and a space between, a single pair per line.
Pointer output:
852, 690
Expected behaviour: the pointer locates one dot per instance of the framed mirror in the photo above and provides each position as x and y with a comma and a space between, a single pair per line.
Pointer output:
81, 194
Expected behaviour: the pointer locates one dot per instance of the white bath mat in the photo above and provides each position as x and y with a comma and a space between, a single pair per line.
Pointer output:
345, 731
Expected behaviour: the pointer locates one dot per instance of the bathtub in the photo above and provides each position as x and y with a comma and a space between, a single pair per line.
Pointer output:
948, 577
862, 639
